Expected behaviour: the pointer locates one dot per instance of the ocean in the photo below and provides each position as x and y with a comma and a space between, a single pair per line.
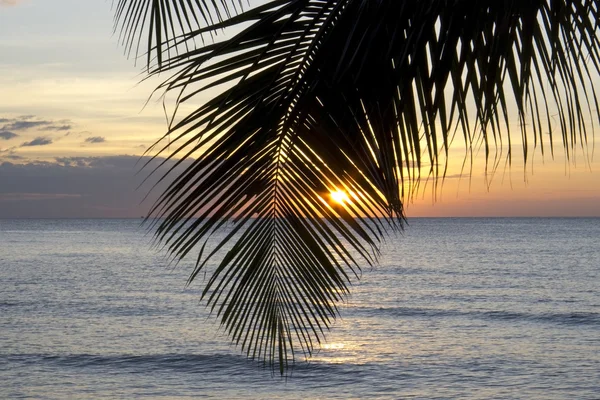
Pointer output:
473, 308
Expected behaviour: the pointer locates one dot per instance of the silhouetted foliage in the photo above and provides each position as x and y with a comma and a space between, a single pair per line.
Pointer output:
303, 97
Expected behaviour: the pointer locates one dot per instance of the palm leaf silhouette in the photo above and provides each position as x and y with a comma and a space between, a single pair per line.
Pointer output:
355, 95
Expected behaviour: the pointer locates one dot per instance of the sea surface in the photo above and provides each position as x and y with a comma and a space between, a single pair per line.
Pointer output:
456, 309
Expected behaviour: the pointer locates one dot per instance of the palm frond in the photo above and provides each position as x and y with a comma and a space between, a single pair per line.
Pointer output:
358, 95
160, 21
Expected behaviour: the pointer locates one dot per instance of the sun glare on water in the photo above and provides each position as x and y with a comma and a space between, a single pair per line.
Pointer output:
339, 197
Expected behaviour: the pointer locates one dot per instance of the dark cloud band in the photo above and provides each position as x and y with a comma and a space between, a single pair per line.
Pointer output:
7, 135
39, 141
27, 122
95, 139
79, 187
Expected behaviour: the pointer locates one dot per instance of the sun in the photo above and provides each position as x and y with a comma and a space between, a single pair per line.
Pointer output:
339, 196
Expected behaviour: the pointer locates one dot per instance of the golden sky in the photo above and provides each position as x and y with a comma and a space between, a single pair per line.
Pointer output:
68, 91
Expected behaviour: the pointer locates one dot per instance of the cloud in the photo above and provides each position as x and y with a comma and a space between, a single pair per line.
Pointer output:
39, 141
5, 152
112, 162
24, 125
74, 161
95, 139
14, 157
79, 187
57, 128
26, 122
7, 135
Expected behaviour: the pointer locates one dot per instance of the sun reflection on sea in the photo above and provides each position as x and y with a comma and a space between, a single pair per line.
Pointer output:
334, 346
337, 353
350, 353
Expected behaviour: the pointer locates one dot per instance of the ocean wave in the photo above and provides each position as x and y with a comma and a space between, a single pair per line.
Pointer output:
561, 318
230, 364
89, 308
146, 362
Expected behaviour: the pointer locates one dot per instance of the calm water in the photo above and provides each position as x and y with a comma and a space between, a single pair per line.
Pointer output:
458, 308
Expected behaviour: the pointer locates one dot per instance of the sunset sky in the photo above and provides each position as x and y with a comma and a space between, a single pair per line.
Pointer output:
73, 124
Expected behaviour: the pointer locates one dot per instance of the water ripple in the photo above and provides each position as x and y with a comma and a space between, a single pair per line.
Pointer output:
566, 318
182, 362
